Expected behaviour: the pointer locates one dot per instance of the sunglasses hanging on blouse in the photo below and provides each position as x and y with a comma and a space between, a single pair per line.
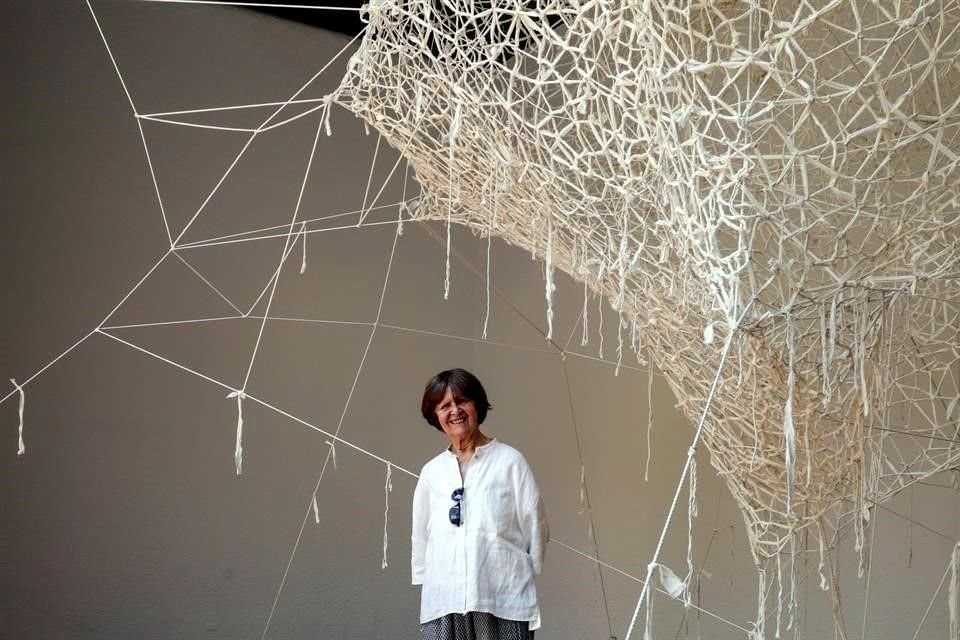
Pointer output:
455, 512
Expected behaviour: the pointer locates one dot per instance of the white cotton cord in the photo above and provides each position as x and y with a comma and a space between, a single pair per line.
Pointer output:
238, 451
793, 581
686, 467
486, 313
446, 267
616, 370
387, 488
316, 509
303, 262
333, 453
600, 327
326, 116
647, 630
824, 583
585, 315
758, 627
692, 512
953, 599
646, 468
789, 432
779, 597
549, 286
452, 136
21, 448
583, 490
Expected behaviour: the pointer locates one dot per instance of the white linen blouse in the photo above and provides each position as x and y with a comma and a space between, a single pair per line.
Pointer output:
488, 563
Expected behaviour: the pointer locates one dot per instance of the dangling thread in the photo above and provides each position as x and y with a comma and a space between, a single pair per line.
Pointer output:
789, 434
387, 488
600, 328
326, 116
486, 314
758, 626
316, 509
647, 635
548, 286
692, 512
779, 596
584, 338
616, 370
238, 451
824, 584
21, 448
646, 468
953, 598
333, 454
303, 262
583, 490
454, 129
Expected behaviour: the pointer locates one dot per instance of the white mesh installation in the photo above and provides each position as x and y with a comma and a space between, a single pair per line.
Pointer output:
764, 192
785, 171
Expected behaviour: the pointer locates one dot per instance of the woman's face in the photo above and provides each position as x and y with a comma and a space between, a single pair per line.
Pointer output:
457, 415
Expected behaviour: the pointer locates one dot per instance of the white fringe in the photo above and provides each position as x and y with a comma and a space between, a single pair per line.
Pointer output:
646, 468
303, 262
238, 451
789, 433
692, 512
549, 286
21, 448
333, 454
387, 488
953, 600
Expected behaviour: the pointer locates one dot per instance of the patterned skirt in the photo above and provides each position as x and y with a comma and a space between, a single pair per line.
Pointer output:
475, 625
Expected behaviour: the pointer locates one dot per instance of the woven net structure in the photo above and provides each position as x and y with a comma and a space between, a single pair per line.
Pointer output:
765, 192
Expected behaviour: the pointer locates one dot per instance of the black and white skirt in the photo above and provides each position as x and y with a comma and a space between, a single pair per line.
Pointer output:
475, 625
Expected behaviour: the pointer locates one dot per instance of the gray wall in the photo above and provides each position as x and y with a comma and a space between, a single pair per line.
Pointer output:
125, 517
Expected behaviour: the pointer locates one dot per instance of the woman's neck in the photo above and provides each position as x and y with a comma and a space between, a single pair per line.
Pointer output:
464, 448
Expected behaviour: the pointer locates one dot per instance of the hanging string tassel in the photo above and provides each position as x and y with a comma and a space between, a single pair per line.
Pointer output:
333, 454
647, 625
583, 490
303, 262
387, 488
779, 597
792, 608
824, 583
238, 451
758, 627
549, 286
585, 314
789, 433
620, 324
692, 512
21, 448
600, 327
486, 313
954, 593
451, 139
326, 116
646, 468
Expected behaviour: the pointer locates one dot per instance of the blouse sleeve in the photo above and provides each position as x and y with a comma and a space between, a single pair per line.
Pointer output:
421, 518
533, 520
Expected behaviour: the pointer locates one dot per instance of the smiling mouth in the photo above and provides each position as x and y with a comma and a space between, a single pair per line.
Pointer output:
459, 420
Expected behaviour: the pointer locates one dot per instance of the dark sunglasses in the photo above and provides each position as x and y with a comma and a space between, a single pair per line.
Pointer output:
457, 497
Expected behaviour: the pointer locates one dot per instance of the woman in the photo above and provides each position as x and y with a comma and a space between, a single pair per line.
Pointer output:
479, 528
